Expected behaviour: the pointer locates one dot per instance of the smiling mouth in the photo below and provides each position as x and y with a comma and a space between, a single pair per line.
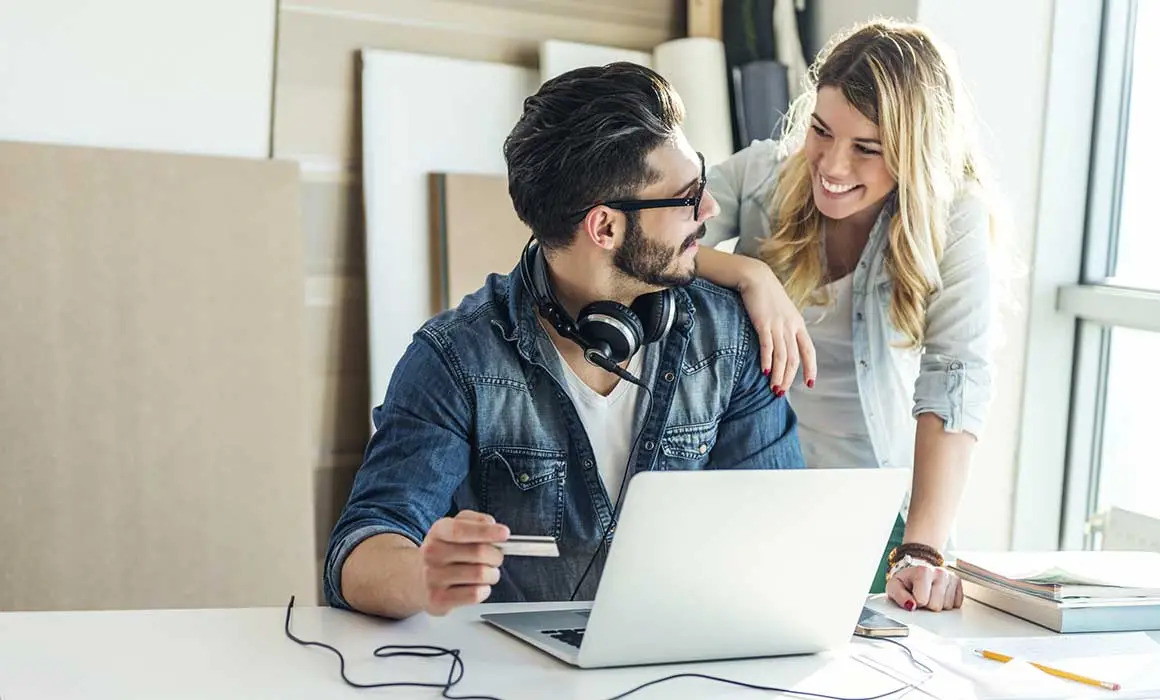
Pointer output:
834, 188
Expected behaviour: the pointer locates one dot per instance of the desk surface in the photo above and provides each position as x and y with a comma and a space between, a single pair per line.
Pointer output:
243, 653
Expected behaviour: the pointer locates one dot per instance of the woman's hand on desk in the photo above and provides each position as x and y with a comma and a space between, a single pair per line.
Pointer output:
460, 560
924, 586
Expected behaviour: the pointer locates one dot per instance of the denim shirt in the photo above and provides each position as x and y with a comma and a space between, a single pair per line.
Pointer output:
477, 417
951, 375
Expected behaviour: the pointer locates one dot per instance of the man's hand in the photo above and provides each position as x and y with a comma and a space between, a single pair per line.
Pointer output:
925, 587
460, 560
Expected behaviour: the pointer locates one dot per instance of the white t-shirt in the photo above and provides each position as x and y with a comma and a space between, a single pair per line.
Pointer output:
831, 426
609, 421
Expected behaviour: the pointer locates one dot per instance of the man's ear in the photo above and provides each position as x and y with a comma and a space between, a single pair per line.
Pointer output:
603, 226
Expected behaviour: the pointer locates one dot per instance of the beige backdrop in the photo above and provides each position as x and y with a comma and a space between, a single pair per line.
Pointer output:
152, 443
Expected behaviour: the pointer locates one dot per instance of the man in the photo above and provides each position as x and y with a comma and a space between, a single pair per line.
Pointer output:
509, 413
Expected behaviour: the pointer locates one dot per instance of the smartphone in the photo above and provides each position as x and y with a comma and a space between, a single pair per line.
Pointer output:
875, 624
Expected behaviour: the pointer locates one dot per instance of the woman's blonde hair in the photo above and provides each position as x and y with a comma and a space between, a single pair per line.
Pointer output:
895, 75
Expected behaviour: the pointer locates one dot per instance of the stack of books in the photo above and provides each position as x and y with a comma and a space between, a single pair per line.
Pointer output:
1108, 591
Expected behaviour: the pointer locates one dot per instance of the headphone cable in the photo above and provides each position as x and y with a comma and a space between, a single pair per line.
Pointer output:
609, 366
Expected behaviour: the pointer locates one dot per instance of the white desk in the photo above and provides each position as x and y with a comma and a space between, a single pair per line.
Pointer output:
225, 654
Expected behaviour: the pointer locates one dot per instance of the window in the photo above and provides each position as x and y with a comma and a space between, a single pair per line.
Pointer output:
1111, 457
1135, 243
1129, 469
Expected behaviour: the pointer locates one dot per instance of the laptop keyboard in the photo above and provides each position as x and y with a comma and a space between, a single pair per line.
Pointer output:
569, 636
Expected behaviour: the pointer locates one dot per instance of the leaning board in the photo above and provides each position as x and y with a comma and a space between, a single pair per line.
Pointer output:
422, 114
152, 425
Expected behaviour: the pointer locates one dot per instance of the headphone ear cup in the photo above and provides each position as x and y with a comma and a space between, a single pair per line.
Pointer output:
657, 313
611, 325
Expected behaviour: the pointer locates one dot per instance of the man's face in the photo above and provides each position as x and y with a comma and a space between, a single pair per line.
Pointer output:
660, 245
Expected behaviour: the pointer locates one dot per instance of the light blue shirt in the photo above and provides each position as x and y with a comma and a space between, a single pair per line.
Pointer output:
951, 375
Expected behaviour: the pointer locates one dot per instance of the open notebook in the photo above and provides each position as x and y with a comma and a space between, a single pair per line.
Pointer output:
1062, 575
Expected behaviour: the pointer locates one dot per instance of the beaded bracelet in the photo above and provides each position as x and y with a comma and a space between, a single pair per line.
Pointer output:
917, 551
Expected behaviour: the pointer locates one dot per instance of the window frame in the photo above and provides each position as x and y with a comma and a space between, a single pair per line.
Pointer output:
1072, 308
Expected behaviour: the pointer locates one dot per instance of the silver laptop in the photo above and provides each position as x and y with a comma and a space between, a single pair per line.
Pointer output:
730, 564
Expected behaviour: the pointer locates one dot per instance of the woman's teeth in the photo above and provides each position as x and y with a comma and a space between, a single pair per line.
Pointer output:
835, 188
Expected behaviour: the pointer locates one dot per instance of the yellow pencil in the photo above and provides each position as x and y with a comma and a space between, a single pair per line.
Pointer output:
996, 656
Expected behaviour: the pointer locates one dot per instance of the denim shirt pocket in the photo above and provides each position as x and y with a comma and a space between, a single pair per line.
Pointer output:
686, 447
523, 487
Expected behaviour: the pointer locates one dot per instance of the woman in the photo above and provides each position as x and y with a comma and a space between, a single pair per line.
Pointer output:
871, 217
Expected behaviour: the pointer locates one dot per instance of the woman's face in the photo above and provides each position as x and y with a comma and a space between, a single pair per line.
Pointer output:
845, 156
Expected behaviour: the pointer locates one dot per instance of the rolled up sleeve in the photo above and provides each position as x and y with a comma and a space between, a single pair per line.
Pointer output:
957, 367
417, 457
730, 182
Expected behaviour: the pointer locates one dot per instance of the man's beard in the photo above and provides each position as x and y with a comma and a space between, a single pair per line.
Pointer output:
649, 261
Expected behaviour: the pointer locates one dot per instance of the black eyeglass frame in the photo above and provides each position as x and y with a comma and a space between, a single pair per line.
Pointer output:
638, 204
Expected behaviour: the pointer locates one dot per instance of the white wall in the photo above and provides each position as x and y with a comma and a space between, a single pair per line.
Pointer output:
1003, 49
830, 16
193, 76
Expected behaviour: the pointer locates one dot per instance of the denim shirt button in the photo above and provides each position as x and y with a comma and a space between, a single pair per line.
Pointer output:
956, 365
587, 463
524, 478
649, 445
703, 448
669, 376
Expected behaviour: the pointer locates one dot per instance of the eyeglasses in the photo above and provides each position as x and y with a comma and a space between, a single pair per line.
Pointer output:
638, 204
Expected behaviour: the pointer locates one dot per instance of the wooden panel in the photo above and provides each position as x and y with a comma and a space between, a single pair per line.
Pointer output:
152, 446
334, 227
316, 96
492, 14
332, 482
339, 417
464, 252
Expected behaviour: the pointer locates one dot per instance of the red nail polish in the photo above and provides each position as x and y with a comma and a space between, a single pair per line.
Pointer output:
810, 383
777, 391
909, 605
765, 372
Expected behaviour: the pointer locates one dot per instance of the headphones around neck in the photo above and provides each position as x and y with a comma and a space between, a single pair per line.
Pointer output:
609, 332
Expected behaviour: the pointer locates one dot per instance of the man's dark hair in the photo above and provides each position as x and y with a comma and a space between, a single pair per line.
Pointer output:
584, 138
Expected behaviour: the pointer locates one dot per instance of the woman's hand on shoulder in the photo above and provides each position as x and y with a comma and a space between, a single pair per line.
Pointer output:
781, 330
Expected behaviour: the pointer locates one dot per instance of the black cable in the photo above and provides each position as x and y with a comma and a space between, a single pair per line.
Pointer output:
458, 668
388, 651
611, 367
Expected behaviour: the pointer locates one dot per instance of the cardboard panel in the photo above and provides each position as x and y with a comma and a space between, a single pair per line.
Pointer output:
152, 425
316, 99
474, 232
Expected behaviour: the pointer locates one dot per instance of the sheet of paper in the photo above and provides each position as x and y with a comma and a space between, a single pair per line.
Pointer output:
1132, 660
1066, 646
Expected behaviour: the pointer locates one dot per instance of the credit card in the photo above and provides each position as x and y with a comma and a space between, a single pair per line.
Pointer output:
529, 546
